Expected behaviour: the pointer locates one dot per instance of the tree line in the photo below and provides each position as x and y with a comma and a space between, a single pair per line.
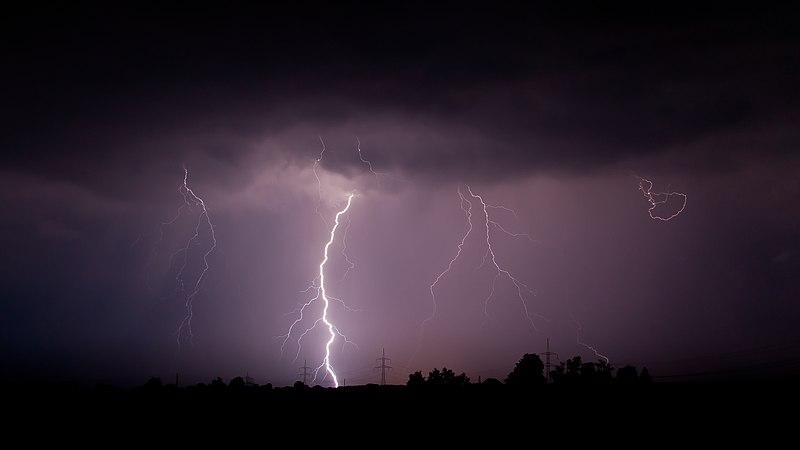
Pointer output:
529, 371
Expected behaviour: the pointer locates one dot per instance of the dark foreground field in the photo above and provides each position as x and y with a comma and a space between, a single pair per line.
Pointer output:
611, 414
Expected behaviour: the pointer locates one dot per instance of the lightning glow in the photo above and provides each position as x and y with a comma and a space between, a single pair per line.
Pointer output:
659, 198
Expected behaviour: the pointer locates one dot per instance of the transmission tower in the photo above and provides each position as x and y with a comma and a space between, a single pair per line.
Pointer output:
547, 355
304, 372
383, 360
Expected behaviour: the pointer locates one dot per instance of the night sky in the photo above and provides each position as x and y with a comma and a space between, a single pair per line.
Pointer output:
549, 111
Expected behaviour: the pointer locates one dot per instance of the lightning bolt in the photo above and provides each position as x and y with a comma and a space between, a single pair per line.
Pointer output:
192, 199
466, 206
659, 198
579, 340
322, 293
350, 263
314, 167
500, 270
364, 160
318, 286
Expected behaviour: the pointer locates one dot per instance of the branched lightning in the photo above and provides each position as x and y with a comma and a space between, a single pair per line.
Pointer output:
659, 198
489, 255
191, 199
332, 330
318, 285
466, 206
499, 269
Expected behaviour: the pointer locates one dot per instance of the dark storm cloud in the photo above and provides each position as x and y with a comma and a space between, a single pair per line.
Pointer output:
544, 109
458, 91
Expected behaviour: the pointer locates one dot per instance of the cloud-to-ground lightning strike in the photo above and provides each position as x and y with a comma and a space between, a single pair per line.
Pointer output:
332, 330
466, 206
659, 198
317, 284
499, 269
192, 199
322, 294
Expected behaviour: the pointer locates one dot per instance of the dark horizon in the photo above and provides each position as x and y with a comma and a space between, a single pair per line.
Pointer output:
562, 115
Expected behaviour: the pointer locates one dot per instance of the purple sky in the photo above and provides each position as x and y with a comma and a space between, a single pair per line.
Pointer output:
549, 113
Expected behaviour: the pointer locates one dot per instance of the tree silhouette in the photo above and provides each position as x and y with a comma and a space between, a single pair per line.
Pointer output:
416, 379
627, 375
153, 384
529, 371
573, 370
435, 378
218, 384
237, 384
644, 377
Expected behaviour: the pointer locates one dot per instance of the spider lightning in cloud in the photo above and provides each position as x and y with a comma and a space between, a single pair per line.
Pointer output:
659, 198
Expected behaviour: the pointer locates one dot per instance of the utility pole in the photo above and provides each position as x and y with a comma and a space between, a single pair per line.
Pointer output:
304, 372
547, 355
383, 359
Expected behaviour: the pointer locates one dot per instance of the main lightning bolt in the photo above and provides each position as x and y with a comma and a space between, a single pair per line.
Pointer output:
192, 199
322, 293
326, 362
659, 198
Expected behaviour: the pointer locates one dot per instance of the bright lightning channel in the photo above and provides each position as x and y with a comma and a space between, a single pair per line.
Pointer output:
326, 362
321, 293
659, 198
